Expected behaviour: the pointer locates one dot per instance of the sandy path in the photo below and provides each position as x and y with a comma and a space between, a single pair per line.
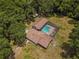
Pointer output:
18, 53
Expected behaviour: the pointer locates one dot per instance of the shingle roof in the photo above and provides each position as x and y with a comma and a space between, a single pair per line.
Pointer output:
39, 37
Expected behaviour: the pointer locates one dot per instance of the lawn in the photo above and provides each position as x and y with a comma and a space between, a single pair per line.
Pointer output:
32, 51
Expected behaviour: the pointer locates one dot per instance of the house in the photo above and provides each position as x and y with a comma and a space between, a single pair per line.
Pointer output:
41, 33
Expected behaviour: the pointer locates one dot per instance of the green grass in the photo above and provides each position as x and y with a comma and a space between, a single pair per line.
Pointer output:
32, 51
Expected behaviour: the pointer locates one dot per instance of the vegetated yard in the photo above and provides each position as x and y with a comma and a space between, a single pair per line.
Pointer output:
32, 51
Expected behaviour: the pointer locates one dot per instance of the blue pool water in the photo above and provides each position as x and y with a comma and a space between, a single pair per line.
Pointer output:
45, 28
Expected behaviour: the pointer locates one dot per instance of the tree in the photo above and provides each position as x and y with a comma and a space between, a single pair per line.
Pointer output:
17, 32
46, 7
76, 12
11, 18
5, 49
66, 7
26, 6
1, 32
10, 14
75, 39
72, 47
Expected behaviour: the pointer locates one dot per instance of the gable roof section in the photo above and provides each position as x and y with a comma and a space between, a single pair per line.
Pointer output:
39, 37
39, 23
33, 35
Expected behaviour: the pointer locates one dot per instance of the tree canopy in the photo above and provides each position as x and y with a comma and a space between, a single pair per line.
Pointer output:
75, 40
13, 14
5, 49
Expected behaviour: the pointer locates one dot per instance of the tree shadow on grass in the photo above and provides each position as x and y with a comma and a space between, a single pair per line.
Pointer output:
73, 21
67, 51
29, 20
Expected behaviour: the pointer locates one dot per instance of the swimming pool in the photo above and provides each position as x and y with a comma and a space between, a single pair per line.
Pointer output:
46, 29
